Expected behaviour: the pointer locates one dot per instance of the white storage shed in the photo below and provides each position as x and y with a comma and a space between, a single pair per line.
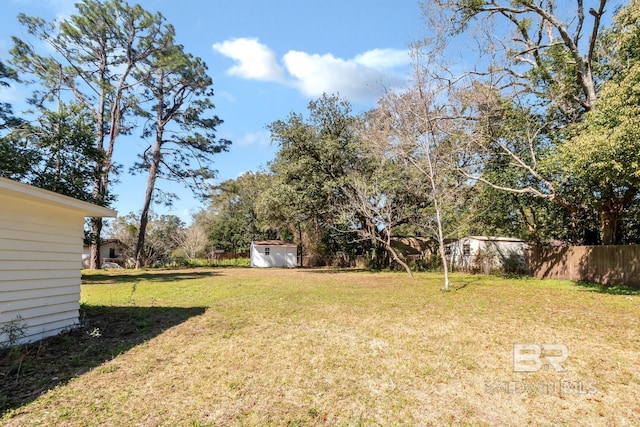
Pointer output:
41, 239
273, 253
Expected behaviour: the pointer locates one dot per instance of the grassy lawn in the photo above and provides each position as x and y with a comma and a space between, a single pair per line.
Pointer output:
236, 346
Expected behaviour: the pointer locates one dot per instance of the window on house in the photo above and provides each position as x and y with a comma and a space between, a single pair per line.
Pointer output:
447, 250
466, 249
266, 251
112, 252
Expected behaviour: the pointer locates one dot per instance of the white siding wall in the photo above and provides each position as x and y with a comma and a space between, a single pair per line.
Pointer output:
505, 252
291, 259
258, 258
39, 271
279, 256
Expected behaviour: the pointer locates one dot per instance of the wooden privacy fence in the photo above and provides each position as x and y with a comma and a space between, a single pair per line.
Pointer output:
606, 265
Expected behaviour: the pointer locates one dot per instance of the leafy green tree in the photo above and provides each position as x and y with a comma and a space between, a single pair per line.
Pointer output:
314, 157
602, 156
56, 152
14, 158
7, 119
231, 220
603, 159
501, 213
180, 123
93, 55
163, 239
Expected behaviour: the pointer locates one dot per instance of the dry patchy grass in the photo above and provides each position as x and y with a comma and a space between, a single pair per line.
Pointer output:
314, 347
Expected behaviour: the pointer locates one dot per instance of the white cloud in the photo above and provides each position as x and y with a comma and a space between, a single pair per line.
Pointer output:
361, 78
317, 74
226, 95
254, 60
261, 138
383, 58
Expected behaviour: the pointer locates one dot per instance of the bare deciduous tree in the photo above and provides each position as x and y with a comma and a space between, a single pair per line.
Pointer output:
413, 128
535, 70
534, 47
191, 241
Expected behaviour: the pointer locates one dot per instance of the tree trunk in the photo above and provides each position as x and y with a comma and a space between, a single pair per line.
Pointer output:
148, 196
397, 258
376, 258
300, 244
443, 256
609, 225
96, 229
144, 219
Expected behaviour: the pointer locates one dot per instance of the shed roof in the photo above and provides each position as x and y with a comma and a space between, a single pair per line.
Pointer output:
274, 243
495, 238
19, 190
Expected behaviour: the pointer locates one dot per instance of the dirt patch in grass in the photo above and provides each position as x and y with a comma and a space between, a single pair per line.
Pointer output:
293, 347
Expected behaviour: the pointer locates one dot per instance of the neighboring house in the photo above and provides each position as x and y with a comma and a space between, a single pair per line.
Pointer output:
110, 252
41, 235
273, 253
486, 254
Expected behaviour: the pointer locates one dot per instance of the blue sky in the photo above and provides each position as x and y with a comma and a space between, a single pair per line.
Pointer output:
267, 59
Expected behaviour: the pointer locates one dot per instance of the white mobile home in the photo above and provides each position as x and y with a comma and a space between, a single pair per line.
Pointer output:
110, 252
41, 235
273, 253
486, 254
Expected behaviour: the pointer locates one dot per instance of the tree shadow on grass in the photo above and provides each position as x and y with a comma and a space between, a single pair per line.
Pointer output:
30, 370
336, 270
457, 284
128, 276
609, 289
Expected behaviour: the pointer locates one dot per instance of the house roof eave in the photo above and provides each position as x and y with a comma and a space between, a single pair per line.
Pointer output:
23, 191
